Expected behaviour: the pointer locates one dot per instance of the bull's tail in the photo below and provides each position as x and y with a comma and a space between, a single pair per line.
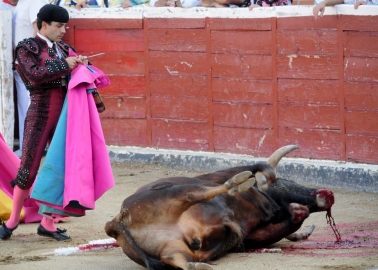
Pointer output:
116, 229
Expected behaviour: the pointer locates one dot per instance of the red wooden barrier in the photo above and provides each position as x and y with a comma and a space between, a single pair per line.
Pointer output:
239, 85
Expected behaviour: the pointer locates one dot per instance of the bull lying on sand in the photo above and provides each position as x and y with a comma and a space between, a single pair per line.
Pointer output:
182, 222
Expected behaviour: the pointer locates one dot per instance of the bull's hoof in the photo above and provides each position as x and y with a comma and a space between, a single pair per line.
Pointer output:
246, 185
298, 236
199, 266
262, 183
298, 212
235, 183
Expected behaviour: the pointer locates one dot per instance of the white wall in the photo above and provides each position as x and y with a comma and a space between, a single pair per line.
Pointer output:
201, 12
6, 78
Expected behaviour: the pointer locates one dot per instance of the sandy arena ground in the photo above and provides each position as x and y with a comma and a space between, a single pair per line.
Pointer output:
355, 214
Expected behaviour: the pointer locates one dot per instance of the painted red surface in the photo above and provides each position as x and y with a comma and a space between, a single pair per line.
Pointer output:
185, 108
224, 42
242, 90
252, 141
182, 40
179, 85
193, 135
245, 85
306, 92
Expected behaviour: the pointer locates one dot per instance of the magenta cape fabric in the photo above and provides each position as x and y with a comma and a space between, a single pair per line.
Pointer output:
88, 173
9, 164
69, 187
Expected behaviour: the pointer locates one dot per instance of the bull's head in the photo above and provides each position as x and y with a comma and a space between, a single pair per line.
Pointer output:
261, 180
324, 197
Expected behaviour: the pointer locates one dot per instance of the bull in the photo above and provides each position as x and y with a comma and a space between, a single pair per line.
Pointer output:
186, 222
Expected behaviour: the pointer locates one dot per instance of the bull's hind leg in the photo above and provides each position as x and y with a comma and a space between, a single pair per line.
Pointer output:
238, 183
178, 255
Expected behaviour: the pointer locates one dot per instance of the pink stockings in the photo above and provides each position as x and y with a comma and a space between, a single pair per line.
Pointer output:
48, 224
19, 197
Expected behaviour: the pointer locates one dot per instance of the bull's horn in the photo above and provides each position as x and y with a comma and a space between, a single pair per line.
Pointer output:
280, 153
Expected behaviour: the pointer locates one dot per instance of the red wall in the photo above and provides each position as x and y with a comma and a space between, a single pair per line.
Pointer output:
242, 86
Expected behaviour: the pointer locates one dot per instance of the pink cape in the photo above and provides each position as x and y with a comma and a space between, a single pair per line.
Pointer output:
9, 164
69, 186
88, 173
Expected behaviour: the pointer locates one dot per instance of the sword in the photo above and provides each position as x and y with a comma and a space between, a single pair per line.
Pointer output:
94, 55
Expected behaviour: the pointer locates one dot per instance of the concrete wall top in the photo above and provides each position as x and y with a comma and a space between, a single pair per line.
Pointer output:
201, 12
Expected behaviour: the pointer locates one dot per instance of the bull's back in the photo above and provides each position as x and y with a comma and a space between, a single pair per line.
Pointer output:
181, 181
220, 177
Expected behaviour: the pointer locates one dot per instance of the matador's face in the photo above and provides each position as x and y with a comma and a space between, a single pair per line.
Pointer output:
54, 31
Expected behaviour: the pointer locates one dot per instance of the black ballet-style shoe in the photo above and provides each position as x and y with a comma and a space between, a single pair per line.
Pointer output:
5, 232
58, 235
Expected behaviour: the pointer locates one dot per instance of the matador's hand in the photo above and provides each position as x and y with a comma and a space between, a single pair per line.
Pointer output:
72, 62
82, 4
359, 3
82, 59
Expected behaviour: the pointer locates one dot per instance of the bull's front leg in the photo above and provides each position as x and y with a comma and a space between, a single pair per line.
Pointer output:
270, 234
273, 233
298, 236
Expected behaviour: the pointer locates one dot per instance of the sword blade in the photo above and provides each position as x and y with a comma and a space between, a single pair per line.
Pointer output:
94, 55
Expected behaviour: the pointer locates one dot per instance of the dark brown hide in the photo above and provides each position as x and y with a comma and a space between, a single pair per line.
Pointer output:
173, 222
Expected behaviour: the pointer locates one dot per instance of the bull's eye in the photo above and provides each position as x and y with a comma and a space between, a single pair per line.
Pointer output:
190, 197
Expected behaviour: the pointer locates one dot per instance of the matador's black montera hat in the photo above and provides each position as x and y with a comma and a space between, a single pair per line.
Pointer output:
53, 13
